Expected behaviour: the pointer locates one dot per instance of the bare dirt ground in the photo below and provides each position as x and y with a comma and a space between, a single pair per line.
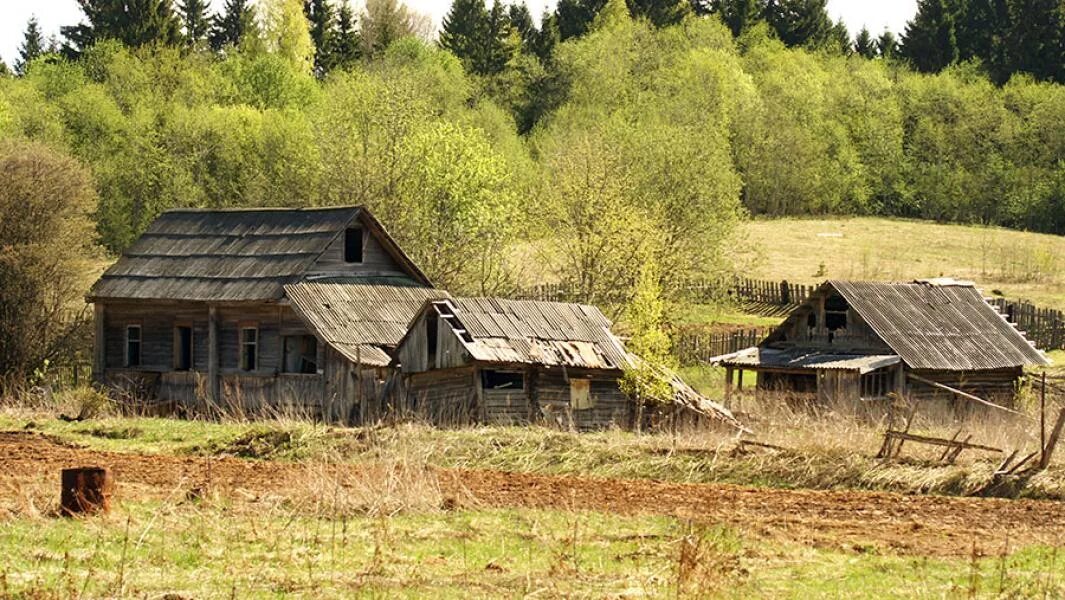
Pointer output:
860, 521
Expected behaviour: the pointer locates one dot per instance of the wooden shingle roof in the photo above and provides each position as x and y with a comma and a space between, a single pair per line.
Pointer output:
234, 255
940, 325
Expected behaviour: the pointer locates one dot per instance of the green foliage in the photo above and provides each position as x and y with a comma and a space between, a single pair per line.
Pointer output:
929, 43
32, 46
235, 26
195, 21
132, 22
46, 200
864, 45
287, 33
645, 318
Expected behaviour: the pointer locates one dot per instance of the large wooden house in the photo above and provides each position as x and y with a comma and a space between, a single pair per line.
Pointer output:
861, 340
253, 310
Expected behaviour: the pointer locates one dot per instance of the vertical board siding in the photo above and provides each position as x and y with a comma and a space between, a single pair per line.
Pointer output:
375, 259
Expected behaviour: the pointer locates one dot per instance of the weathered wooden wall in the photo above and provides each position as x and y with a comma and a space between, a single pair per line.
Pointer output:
857, 336
611, 408
375, 259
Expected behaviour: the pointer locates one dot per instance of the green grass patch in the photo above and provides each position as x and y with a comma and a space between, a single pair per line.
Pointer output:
189, 549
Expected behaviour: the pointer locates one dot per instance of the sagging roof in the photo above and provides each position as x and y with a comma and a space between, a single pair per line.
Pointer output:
805, 358
364, 322
232, 255
940, 325
534, 332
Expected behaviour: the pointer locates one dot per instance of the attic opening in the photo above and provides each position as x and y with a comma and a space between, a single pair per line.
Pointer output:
836, 313
353, 245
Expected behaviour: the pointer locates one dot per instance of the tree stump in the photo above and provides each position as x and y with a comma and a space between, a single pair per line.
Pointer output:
86, 491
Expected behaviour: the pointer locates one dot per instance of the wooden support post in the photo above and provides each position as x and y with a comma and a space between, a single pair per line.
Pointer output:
212, 357
728, 387
99, 348
900, 382
1042, 416
85, 491
1055, 435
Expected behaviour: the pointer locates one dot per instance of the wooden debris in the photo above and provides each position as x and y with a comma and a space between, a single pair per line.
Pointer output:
1055, 435
86, 491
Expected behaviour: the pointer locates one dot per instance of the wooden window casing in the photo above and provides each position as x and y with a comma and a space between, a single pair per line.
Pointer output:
248, 346
580, 394
134, 341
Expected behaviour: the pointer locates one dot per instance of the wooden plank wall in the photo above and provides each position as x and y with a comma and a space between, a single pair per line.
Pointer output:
375, 259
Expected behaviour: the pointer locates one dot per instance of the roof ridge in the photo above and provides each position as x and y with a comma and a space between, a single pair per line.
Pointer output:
240, 209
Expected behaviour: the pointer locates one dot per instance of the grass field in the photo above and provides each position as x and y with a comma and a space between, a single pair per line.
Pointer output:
1017, 264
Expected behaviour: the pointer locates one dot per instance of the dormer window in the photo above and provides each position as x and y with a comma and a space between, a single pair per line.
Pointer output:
353, 245
836, 313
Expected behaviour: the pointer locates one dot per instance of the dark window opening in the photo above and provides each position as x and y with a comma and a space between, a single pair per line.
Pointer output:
133, 345
836, 313
353, 246
811, 320
431, 337
300, 354
249, 348
182, 348
502, 380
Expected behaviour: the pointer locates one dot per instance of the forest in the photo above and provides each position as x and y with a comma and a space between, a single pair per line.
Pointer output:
602, 135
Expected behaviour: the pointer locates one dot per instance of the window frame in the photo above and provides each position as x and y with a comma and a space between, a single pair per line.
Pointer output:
242, 345
126, 362
519, 374
285, 339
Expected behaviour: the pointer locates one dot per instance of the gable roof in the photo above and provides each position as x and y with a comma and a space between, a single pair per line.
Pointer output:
939, 324
232, 255
533, 332
364, 322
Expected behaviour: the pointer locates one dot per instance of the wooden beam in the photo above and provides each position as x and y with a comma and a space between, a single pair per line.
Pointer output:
1055, 435
962, 394
99, 349
212, 356
921, 439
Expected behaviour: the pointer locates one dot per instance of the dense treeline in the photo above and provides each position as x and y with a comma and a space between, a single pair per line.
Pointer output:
609, 132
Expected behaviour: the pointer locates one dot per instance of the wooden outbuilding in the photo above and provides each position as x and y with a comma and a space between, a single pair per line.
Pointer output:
257, 310
854, 340
516, 362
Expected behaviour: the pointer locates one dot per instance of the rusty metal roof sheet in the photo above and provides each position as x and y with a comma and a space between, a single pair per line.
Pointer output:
231, 255
534, 332
805, 358
362, 321
940, 324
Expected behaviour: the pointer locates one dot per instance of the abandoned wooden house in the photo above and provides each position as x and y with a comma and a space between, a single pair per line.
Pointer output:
252, 310
860, 340
512, 362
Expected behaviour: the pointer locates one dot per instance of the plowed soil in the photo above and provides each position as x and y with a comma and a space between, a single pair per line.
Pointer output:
861, 521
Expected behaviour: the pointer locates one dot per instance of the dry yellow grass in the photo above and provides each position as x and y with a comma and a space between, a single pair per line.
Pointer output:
1018, 264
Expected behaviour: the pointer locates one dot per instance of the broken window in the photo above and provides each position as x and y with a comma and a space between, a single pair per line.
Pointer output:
133, 345
353, 246
580, 394
502, 380
182, 348
836, 313
249, 348
877, 384
300, 354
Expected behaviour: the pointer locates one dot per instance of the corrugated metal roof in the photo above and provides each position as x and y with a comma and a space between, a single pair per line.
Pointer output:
805, 358
542, 333
943, 325
361, 321
231, 255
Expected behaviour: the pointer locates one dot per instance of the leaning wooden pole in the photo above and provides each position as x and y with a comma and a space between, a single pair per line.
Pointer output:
1055, 435
86, 491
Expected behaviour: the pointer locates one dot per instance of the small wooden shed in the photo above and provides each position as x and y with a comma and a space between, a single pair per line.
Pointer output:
256, 310
854, 340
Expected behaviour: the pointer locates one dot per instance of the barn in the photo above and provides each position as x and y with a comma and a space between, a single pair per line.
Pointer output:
854, 340
254, 310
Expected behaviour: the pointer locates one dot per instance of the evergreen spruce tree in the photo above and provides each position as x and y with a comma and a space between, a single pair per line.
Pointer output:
346, 42
661, 13
320, 14
547, 38
132, 22
929, 43
864, 45
739, 15
500, 45
574, 17
4, 70
195, 20
234, 24
522, 23
802, 22
1033, 42
839, 38
980, 27
464, 32
32, 46
887, 45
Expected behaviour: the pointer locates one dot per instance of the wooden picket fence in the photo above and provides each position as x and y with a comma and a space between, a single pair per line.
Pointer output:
68, 376
1045, 327
691, 347
761, 291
